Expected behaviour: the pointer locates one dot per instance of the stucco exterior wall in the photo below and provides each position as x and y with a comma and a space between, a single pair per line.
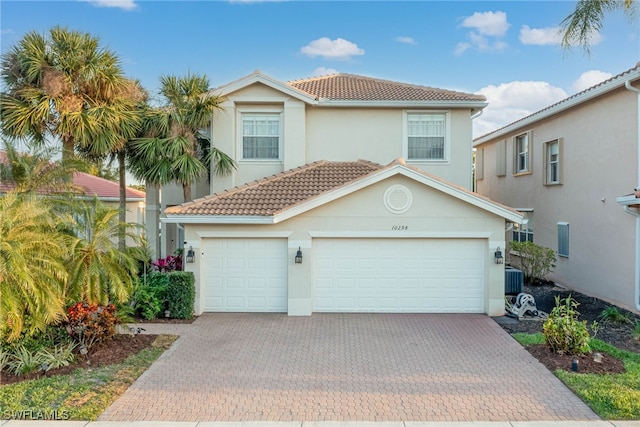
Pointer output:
598, 164
432, 215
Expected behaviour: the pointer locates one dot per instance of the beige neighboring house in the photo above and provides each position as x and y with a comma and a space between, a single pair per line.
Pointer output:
566, 168
352, 194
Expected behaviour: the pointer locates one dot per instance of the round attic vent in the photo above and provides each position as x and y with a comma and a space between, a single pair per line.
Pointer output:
398, 199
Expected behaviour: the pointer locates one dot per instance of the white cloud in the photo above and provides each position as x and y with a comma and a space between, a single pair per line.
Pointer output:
512, 101
488, 23
588, 79
323, 71
487, 29
407, 40
332, 49
461, 48
121, 4
540, 36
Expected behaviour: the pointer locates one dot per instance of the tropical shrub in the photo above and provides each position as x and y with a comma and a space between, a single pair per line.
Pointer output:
149, 299
181, 294
563, 332
32, 268
168, 264
89, 324
534, 260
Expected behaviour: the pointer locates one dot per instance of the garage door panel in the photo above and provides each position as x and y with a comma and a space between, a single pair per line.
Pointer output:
245, 275
399, 275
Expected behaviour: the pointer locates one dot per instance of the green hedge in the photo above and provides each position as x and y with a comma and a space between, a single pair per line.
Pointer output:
181, 294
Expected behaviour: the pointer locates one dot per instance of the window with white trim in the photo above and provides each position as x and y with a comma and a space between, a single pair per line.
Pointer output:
522, 153
552, 162
563, 239
261, 136
426, 136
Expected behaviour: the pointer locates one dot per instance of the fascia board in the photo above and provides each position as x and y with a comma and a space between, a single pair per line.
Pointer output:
267, 81
559, 107
217, 219
386, 173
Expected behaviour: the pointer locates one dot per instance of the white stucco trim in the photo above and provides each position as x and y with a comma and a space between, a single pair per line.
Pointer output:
243, 234
401, 234
257, 77
217, 219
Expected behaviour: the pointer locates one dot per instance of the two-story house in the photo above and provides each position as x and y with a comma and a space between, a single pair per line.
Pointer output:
351, 194
563, 167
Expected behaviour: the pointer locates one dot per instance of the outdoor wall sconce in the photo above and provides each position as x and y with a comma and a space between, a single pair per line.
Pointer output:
498, 256
298, 256
191, 255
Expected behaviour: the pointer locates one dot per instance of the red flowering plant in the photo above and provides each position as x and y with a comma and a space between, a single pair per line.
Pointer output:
89, 324
168, 264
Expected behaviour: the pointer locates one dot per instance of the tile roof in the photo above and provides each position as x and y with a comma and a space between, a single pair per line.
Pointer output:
268, 196
360, 88
89, 185
103, 188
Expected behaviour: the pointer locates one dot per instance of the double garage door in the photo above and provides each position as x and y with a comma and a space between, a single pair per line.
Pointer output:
349, 275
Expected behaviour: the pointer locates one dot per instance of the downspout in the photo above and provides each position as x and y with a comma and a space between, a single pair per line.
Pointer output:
635, 211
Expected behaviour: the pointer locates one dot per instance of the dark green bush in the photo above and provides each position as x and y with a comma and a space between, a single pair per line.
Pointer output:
534, 260
149, 298
181, 294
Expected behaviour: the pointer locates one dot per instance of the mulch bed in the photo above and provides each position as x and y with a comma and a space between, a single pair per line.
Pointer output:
101, 354
590, 309
586, 363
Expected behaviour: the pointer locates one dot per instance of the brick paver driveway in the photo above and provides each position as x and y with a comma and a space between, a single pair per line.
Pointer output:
346, 367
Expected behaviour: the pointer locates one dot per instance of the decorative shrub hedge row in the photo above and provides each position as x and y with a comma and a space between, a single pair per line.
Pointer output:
181, 294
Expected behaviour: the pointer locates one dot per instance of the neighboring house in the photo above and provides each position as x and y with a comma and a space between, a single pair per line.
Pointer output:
312, 221
106, 191
563, 167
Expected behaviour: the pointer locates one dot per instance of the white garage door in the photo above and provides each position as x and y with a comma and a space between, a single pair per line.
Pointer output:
242, 275
399, 275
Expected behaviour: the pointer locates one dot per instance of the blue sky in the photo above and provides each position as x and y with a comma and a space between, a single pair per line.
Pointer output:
505, 50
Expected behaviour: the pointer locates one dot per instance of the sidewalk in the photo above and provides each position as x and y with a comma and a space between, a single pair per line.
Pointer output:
20, 423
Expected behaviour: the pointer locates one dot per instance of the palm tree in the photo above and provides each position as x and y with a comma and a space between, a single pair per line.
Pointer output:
36, 172
32, 269
588, 17
67, 86
175, 148
98, 271
64, 86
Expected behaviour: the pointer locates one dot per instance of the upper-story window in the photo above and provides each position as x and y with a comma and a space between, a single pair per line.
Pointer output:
522, 151
553, 162
426, 136
261, 136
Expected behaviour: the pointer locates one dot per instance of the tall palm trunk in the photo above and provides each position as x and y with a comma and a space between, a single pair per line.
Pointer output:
122, 214
186, 191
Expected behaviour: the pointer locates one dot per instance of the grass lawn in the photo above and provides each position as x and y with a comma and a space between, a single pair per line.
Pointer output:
82, 395
612, 397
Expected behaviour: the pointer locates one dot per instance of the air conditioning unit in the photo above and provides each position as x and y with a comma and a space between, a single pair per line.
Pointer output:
513, 280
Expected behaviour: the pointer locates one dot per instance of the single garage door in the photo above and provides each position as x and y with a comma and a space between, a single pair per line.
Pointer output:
245, 275
399, 275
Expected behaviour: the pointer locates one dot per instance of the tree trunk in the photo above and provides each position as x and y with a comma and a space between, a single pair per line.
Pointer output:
186, 191
122, 215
